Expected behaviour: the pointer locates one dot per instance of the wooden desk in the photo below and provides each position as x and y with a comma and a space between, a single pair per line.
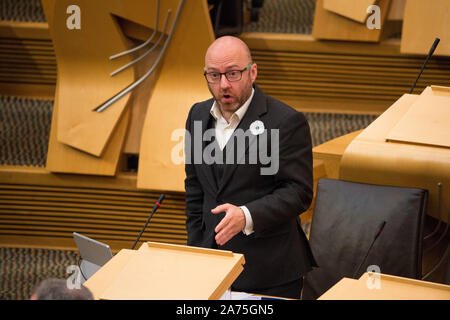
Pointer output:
391, 288
163, 271
371, 158
331, 153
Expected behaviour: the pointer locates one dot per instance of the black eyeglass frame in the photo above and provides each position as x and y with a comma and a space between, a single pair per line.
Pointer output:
225, 74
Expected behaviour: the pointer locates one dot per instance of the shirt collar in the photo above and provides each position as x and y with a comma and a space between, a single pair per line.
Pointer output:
217, 114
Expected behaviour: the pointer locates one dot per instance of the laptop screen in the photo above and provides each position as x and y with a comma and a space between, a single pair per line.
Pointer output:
92, 250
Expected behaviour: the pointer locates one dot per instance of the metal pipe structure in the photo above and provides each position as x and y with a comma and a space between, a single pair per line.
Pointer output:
118, 96
148, 51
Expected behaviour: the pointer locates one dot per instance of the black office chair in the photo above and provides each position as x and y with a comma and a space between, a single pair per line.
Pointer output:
227, 17
346, 218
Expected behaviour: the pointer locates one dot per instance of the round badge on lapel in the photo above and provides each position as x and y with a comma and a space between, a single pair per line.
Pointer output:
257, 127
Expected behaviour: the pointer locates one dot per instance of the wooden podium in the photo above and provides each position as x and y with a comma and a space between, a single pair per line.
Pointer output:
407, 146
388, 288
159, 271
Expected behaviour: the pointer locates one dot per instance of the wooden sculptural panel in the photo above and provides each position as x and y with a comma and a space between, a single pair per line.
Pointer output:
63, 158
82, 140
355, 10
332, 26
180, 84
84, 80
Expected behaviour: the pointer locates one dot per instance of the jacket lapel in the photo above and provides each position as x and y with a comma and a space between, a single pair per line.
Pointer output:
207, 169
256, 108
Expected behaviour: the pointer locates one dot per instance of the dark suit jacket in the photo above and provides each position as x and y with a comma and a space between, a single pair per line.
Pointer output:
278, 251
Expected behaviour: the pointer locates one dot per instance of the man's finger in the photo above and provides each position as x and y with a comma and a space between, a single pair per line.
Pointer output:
221, 208
225, 233
222, 224
223, 236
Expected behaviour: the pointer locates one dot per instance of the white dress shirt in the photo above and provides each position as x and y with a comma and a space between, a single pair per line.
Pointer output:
223, 131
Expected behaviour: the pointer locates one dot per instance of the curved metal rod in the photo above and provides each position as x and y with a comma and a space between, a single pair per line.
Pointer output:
155, 64
447, 251
438, 225
146, 42
148, 51
444, 233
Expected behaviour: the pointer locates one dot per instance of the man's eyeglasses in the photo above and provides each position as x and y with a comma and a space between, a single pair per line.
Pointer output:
232, 75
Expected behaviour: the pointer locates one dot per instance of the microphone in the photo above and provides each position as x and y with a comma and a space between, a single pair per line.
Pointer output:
433, 47
155, 207
380, 228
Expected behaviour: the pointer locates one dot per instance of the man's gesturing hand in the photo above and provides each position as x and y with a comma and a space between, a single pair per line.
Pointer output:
231, 224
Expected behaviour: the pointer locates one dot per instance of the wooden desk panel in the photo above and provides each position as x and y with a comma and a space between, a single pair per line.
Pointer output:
390, 288
371, 159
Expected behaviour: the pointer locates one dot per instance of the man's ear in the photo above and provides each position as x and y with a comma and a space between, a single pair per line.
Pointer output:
253, 72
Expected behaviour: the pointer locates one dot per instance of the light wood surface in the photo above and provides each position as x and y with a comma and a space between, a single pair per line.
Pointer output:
355, 10
100, 281
137, 22
292, 42
330, 153
423, 22
331, 26
139, 102
179, 86
391, 288
65, 159
370, 159
397, 10
162, 271
318, 173
427, 121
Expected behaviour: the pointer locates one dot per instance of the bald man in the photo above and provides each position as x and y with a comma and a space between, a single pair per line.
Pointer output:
248, 175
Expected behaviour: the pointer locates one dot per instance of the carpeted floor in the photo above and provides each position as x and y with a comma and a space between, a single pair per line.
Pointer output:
21, 269
22, 10
24, 130
284, 16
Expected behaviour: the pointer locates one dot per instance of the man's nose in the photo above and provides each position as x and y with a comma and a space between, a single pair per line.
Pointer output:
224, 83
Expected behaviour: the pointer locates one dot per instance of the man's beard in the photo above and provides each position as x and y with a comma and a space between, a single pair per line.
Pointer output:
235, 106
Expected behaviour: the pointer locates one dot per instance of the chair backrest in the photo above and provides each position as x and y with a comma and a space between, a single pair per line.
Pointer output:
227, 17
345, 220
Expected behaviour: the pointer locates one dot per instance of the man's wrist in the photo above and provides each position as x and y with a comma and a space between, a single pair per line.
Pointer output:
248, 228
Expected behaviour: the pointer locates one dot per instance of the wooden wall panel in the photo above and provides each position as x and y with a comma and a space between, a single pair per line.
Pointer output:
47, 208
179, 85
27, 60
335, 76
